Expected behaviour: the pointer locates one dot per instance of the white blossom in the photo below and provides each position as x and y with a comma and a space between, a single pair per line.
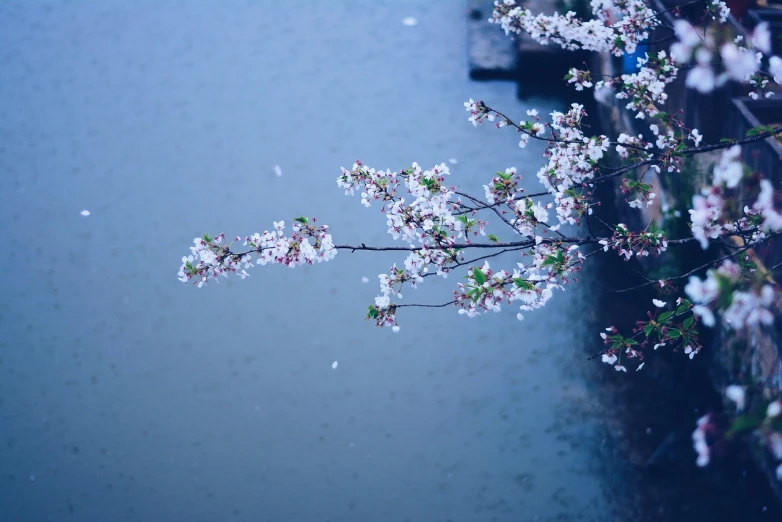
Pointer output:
761, 37
729, 169
736, 394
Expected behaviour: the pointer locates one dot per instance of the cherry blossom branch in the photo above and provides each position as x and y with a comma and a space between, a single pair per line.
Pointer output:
484, 206
695, 270
687, 152
506, 121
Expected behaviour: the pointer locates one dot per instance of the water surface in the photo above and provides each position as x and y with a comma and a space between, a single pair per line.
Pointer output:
126, 395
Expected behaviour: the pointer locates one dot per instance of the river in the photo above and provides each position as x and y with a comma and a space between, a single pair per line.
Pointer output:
125, 395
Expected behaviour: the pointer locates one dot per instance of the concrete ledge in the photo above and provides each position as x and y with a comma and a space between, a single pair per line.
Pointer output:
491, 55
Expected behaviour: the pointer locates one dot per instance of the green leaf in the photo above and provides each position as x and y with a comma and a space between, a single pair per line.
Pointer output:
683, 306
207, 238
760, 129
479, 276
493, 238
302, 219
630, 342
674, 334
743, 423
665, 316
687, 324
475, 294
372, 313
648, 329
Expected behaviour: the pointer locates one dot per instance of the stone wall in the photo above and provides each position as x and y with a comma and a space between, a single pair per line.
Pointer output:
750, 356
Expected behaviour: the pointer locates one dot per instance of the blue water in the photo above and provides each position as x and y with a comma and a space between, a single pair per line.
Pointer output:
125, 395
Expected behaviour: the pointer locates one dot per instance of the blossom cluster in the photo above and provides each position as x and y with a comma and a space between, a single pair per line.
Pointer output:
709, 218
640, 192
532, 284
705, 215
673, 328
430, 219
620, 347
645, 89
530, 216
503, 187
428, 215
618, 27
764, 206
741, 60
632, 147
383, 312
212, 257
725, 290
572, 162
478, 112
753, 413
572, 159
627, 243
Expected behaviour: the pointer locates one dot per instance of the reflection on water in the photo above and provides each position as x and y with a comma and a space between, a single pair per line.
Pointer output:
126, 396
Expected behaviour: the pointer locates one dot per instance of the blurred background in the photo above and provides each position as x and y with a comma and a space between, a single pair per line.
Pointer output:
128, 396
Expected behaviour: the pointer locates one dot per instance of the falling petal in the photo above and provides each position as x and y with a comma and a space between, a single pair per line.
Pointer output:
410, 21
85, 213
277, 171
334, 365
365, 280
452, 161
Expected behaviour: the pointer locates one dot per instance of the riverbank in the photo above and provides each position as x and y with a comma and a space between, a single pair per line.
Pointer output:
654, 412
749, 356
